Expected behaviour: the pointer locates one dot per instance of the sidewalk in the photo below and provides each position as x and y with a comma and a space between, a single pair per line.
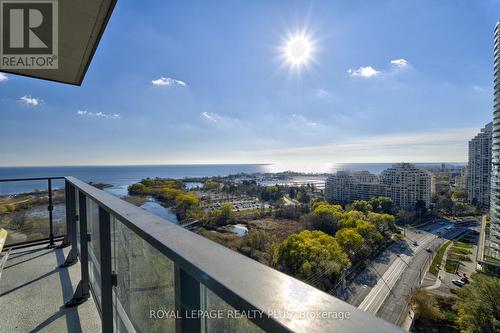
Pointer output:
441, 272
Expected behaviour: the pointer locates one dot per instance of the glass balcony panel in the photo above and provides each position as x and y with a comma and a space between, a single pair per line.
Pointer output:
77, 212
94, 248
23, 210
144, 298
223, 318
59, 202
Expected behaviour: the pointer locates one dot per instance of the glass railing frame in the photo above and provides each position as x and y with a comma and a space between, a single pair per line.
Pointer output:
50, 207
251, 287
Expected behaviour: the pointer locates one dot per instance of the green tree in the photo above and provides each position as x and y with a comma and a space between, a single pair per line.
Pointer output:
184, 202
478, 305
459, 194
169, 194
302, 196
425, 306
347, 222
271, 193
223, 215
210, 184
382, 205
361, 206
383, 222
351, 242
312, 252
354, 214
137, 188
369, 233
325, 216
259, 240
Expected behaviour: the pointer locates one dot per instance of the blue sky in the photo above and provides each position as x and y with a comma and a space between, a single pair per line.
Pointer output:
206, 82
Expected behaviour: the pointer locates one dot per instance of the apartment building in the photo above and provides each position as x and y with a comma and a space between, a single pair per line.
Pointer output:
408, 184
345, 187
492, 249
479, 171
404, 183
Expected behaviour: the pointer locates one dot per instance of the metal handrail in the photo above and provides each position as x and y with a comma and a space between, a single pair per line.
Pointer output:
29, 179
243, 283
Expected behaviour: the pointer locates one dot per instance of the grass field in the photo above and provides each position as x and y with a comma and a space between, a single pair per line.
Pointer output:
451, 266
458, 252
436, 262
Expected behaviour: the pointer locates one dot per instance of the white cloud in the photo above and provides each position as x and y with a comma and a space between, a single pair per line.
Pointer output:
28, 100
322, 93
98, 114
211, 116
478, 89
220, 121
369, 71
3, 77
366, 71
301, 121
399, 62
167, 81
447, 145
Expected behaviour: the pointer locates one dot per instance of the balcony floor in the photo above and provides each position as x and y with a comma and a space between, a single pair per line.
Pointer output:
33, 290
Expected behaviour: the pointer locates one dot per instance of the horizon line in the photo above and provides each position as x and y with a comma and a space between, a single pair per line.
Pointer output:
221, 164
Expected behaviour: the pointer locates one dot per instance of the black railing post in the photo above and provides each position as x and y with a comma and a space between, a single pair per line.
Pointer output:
106, 271
66, 240
187, 299
72, 257
50, 208
82, 292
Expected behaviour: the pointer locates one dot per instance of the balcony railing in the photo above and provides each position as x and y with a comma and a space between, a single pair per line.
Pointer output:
40, 227
149, 275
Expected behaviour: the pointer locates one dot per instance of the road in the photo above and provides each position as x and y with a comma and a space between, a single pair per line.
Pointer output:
374, 300
359, 288
402, 267
394, 306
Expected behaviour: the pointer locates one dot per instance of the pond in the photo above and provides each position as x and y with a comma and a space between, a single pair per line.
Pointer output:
154, 207
239, 229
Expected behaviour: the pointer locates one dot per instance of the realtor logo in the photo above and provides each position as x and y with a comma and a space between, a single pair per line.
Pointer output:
29, 34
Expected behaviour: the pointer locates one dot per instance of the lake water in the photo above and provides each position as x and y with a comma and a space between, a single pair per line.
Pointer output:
120, 177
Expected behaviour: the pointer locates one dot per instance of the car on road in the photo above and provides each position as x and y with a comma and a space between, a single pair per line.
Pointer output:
428, 250
415, 243
459, 283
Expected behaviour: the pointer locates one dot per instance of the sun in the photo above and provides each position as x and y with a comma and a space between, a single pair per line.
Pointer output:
298, 50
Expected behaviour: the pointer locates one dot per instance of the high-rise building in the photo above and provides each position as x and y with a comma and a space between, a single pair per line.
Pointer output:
461, 178
404, 183
408, 185
479, 172
492, 249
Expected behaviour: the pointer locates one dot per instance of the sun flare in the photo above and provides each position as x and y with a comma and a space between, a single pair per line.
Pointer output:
298, 50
